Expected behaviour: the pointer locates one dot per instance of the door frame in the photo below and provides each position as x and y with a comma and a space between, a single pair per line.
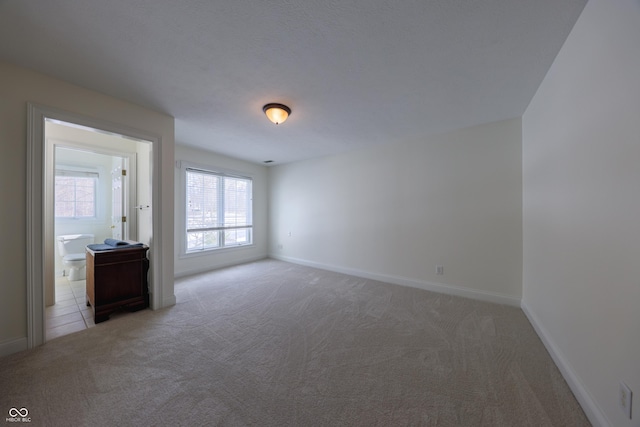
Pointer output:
50, 232
36, 224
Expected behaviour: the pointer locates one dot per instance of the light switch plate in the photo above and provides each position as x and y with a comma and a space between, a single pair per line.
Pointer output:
626, 400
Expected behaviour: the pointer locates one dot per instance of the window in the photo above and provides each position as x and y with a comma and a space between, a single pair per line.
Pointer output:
75, 194
219, 210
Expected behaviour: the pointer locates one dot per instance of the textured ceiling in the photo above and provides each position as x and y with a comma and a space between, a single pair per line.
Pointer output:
354, 72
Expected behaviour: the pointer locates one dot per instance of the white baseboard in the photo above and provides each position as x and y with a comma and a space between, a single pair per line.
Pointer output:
13, 346
168, 302
405, 281
589, 405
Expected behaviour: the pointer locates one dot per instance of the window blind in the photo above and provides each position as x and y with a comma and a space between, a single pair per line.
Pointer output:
219, 210
75, 194
77, 174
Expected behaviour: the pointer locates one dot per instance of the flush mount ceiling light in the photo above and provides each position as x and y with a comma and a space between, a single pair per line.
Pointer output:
277, 113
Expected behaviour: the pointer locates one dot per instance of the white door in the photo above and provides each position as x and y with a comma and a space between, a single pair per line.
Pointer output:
119, 199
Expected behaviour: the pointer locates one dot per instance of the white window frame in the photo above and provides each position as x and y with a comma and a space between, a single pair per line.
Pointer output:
216, 171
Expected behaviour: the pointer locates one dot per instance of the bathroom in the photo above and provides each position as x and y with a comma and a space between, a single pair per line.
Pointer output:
94, 197
83, 205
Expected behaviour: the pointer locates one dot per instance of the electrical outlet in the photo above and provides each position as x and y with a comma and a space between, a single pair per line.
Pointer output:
625, 399
439, 270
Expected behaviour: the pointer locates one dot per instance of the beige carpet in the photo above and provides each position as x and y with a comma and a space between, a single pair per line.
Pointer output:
276, 344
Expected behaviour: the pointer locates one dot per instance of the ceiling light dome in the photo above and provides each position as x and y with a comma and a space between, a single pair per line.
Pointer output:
277, 113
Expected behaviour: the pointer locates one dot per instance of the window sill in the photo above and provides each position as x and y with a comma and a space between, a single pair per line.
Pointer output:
207, 252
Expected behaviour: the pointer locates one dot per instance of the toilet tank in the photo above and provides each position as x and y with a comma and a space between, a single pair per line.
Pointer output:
73, 243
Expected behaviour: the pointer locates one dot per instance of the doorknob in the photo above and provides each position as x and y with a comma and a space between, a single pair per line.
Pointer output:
113, 226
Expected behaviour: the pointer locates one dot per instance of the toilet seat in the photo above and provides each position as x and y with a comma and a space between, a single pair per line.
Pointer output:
74, 257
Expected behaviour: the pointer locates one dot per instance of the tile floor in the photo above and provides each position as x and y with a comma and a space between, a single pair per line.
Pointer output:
70, 312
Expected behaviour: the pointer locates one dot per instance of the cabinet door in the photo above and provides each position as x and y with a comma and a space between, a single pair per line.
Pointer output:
118, 282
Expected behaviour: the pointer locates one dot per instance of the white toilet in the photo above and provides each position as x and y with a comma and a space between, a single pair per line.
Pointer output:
72, 249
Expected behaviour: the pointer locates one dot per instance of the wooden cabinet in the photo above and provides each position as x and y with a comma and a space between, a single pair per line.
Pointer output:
117, 279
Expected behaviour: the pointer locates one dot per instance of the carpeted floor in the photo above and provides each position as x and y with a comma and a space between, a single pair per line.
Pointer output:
277, 344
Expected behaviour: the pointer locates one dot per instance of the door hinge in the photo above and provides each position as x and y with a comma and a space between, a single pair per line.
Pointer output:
124, 172
124, 219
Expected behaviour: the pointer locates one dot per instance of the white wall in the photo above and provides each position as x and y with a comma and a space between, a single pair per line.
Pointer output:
144, 192
195, 263
395, 212
20, 86
581, 178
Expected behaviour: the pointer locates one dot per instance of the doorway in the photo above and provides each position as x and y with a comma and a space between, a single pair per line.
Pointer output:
40, 229
94, 197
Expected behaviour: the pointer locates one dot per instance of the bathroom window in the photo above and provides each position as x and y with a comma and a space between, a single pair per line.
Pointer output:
75, 194
219, 210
